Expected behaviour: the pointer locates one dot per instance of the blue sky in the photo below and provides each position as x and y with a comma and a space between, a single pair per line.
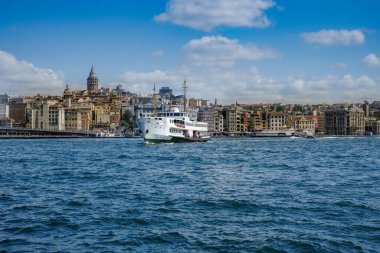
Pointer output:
249, 51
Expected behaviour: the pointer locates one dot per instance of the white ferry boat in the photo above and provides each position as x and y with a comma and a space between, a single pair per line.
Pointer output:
173, 126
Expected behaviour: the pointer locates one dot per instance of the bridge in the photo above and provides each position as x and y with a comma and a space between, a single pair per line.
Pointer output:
27, 133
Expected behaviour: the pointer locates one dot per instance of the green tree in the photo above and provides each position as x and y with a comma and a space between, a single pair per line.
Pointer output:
298, 108
127, 120
280, 108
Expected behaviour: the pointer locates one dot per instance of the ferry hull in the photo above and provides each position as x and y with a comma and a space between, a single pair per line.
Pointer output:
175, 140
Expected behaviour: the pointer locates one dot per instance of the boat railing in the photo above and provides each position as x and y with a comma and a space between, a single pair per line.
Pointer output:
180, 125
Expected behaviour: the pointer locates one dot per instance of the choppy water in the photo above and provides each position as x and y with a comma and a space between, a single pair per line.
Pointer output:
227, 195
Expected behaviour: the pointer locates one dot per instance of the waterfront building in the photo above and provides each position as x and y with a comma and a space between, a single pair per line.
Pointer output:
314, 117
56, 118
235, 120
115, 117
86, 118
373, 126
321, 122
6, 122
213, 117
4, 106
102, 113
206, 114
257, 120
17, 107
92, 82
4, 111
218, 120
73, 119
231, 118
302, 123
45, 114
275, 120
344, 121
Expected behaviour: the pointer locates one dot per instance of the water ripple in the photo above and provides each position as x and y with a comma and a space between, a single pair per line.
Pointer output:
227, 195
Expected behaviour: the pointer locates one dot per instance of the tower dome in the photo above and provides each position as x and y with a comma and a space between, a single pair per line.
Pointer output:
67, 91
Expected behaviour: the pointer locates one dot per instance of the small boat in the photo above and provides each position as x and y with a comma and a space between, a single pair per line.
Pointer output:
273, 133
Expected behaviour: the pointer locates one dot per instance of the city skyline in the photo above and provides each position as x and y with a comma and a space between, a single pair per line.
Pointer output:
249, 51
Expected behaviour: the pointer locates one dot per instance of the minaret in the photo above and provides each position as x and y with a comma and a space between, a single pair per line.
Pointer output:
67, 96
92, 81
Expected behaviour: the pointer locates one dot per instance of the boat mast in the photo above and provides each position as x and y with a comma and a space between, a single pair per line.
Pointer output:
154, 100
184, 95
170, 103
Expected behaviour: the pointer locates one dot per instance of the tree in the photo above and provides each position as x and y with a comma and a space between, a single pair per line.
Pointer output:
280, 108
298, 108
127, 120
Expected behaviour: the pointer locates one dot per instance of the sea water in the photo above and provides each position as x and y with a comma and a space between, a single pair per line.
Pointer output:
226, 195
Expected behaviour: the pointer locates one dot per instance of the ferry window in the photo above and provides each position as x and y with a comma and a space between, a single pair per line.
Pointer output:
176, 114
159, 118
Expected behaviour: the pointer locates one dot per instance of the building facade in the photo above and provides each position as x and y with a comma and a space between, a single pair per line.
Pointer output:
213, 117
344, 121
4, 106
373, 126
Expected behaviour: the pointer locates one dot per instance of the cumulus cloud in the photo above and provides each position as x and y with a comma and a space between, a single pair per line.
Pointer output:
335, 37
250, 86
372, 60
23, 78
330, 89
218, 51
206, 15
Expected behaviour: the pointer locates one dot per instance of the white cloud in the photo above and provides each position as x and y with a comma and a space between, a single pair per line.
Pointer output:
208, 14
372, 60
23, 78
335, 37
330, 89
218, 51
142, 82
158, 53
250, 86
